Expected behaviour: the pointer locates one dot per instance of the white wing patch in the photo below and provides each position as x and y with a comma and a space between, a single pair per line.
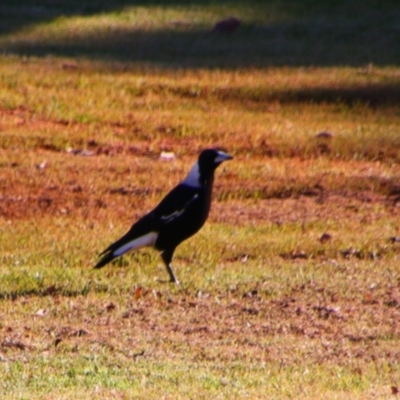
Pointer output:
146, 240
177, 213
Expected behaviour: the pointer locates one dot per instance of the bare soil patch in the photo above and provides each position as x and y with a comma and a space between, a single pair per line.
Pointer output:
20, 200
241, 326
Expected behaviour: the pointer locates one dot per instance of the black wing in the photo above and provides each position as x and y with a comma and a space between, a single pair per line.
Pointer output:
175, 203
170, 208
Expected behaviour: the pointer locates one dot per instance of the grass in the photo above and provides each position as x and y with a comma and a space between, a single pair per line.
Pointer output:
179, 34
92, 94
121, 109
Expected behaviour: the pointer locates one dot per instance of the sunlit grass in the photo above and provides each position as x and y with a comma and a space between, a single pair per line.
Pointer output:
266, 308
220, 257
256, 110
87, 330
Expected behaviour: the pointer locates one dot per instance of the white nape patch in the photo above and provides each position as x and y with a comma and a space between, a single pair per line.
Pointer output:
222, 156
146, 240
193, 177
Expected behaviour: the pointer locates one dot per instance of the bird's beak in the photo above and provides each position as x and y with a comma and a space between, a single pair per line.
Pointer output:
222, 156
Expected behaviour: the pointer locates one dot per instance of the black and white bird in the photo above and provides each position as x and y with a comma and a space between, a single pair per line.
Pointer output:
179, 215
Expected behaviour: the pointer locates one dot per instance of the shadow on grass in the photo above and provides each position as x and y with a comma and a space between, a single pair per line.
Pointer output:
18, 14
249, 47
36, 292
310, 34
373, 95
54, 290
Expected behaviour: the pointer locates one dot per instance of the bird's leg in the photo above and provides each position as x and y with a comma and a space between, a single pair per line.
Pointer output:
171, 274
166, 255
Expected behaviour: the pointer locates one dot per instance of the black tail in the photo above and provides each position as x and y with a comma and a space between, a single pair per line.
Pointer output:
107, 255
105, 259
141, 227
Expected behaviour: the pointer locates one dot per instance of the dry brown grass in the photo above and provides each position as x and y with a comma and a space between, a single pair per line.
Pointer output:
267, 308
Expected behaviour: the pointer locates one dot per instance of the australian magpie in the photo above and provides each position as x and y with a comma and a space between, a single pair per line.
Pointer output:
179, 215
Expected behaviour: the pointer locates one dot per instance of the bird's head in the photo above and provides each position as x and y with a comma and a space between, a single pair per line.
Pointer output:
209, 160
